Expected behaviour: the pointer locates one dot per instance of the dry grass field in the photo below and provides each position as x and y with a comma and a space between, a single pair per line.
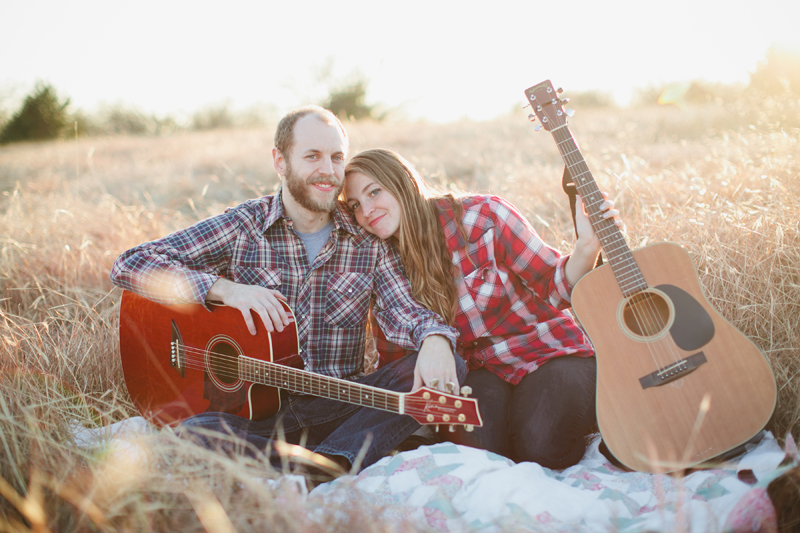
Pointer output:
722, 181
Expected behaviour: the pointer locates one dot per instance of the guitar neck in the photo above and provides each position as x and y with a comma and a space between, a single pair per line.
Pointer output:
302, 381
619, 255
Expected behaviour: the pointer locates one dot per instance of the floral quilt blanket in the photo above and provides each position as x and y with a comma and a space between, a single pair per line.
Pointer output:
455, 488
451, 488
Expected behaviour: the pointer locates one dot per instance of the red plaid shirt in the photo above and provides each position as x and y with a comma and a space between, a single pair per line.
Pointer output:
512, 292
254, 244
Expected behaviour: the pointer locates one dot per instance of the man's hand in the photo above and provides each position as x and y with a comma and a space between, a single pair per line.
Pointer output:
265, 302
436, 366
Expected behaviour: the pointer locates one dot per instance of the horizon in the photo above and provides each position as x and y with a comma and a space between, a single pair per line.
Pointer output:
180, 58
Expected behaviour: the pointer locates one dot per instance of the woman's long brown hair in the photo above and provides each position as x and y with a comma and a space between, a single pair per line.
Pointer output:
420, 239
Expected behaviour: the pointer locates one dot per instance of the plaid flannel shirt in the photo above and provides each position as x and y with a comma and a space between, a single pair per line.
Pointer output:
254, 244
512, 292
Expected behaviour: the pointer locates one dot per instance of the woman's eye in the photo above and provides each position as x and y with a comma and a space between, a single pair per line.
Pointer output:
353, 207
374, 192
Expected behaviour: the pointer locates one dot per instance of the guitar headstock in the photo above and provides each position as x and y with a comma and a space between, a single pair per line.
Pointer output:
547, 106
430, 406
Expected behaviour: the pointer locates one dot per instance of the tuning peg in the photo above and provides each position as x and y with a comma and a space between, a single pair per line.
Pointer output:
537, 127
452, 428
469, 427
532, 117
559, 90
569, 112
565, 100
466, 390
526, 105
437, 428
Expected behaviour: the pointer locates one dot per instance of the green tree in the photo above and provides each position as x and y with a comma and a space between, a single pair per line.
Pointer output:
42, 116
349, 101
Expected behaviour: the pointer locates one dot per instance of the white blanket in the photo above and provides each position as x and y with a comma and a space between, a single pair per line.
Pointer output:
455, 488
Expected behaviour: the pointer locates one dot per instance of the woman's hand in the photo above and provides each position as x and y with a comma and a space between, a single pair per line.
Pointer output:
436, 366
584, 256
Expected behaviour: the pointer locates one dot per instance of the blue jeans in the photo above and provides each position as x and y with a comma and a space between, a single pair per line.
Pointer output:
321, 425
543, 419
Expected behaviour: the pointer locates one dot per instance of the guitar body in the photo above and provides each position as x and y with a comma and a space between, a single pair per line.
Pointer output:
677, 384
200, 374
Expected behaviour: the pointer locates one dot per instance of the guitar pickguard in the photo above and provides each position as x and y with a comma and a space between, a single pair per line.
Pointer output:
692, 327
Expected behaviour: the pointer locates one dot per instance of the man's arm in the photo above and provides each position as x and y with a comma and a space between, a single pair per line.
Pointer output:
189, 265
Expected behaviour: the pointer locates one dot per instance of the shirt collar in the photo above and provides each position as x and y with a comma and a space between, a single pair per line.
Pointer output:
343, 219
276, 212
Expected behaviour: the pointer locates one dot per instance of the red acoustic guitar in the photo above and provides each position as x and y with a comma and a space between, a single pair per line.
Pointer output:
181, 360
677, 384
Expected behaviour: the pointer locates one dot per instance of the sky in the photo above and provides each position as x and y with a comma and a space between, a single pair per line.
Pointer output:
432, 59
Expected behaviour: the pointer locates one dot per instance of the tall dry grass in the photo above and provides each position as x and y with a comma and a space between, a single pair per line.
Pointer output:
724, 185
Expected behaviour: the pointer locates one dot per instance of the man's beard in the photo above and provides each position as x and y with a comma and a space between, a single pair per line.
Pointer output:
299, 189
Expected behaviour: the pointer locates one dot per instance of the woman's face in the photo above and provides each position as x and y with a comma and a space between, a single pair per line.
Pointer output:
375, 208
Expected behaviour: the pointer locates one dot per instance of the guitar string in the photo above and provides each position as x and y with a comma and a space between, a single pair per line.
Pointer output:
648, 318
644, 313
411, 403
571, 160
230, 369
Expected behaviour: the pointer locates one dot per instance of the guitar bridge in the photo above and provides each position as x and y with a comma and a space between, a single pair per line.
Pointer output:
177, 355
673, 371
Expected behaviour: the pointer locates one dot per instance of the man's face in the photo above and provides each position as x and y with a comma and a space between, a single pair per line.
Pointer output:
314, 168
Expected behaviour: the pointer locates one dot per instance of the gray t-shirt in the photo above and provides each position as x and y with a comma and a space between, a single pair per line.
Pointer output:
315, 241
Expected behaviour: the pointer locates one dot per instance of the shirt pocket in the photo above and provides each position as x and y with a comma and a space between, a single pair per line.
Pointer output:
265, 277
348, 298
485, 286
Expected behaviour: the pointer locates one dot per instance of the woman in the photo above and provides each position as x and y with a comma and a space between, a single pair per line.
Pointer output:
479, 264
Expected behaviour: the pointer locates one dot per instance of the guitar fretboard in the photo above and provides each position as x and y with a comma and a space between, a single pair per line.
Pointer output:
295, 380
619, 255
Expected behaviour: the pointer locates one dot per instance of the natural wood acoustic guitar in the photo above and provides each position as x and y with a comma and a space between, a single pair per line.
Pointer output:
180, 360
677, 384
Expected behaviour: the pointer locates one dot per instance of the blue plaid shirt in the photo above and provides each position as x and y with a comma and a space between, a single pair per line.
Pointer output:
254, 243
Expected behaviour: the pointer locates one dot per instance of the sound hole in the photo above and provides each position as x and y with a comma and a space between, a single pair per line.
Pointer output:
224, 363
646, 314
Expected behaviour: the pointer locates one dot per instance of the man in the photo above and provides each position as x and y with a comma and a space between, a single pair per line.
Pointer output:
302, 246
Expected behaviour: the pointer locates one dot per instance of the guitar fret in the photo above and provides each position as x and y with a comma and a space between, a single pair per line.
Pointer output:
302, 381
622, 262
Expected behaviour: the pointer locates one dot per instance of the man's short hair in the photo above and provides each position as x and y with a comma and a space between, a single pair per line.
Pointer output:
284, 134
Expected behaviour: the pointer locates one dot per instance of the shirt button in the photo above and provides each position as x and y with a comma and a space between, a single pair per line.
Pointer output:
349, 290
